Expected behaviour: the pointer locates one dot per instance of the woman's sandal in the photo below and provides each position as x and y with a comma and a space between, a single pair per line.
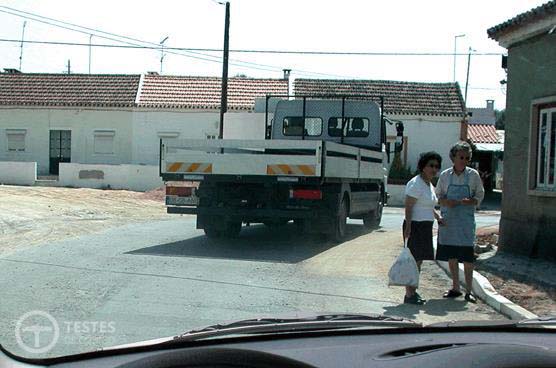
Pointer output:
470, 298
452, 293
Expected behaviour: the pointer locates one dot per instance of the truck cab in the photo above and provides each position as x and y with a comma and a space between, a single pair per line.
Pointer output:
352, 122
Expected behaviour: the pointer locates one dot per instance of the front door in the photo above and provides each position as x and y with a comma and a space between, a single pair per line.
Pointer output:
60, 149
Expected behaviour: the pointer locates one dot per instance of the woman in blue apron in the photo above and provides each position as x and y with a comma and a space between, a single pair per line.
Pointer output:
460, 191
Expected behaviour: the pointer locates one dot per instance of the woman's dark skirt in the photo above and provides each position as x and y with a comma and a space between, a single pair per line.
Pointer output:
420, 240
461, 253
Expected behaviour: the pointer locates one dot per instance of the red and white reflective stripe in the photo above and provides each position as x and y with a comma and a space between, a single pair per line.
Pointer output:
306, 194
189, 167
299, 170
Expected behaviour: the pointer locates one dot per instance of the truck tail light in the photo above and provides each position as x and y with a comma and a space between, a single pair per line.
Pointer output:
179, 191
306, 194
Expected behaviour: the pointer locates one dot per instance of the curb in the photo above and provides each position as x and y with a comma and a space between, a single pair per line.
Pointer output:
486, 292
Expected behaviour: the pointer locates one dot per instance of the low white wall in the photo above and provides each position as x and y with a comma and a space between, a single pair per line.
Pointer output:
131, 177
18, 173
396, 195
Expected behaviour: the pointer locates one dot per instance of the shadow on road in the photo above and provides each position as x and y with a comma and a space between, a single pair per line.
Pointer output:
433, 307
255, 243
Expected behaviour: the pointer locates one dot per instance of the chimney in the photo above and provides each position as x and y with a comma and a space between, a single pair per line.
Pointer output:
11, 71
287, 74
490, 105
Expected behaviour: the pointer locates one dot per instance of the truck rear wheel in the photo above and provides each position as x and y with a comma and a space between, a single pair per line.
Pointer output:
212, 233
232, 229
340, 225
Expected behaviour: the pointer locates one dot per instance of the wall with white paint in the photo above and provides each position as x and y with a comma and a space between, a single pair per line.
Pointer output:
130, 177
18, 173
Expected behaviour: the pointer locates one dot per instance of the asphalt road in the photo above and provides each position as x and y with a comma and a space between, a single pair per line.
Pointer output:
165, 277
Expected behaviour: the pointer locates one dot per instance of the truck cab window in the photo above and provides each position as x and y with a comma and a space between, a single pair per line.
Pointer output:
354, 127
293, 126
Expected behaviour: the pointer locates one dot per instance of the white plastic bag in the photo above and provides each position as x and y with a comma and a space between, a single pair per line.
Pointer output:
404, 271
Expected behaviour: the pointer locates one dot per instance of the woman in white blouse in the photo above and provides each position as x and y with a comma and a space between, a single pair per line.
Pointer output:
420, 200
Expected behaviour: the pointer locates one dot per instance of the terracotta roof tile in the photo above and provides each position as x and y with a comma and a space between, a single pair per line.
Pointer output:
204, 92
530, 16
411, 98
483, 133
68, 90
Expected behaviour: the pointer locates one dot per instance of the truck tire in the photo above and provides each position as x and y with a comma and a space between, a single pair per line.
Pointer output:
373, 218
212, 233
340, 225
232, 229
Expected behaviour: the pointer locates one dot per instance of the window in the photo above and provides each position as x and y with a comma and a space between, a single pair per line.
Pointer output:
212, 136
353, 127
104, 141
16, 140
546, 149
391, 147
294, 126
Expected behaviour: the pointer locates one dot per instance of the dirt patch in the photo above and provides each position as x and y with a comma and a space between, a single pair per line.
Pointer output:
540, 300
524, 281
34, 215
158, 194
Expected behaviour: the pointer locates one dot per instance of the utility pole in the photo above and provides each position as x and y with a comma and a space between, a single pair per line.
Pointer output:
21, 46
467, 79
162, 52
90, 39
69, 66
456, 51
224, 94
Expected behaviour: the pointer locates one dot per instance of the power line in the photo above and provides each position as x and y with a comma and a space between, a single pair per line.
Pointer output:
204, 57
253, 51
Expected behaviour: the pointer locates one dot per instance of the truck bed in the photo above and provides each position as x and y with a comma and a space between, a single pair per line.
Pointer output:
199, 159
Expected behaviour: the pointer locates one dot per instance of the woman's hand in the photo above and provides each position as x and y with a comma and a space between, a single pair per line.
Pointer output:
469, 201
407, 230
441, 221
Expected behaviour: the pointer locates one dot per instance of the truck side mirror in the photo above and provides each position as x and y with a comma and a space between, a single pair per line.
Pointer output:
399, 137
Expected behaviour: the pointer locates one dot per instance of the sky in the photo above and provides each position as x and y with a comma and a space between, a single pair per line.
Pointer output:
392, 26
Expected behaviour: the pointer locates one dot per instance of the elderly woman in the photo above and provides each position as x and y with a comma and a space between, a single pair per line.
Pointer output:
460, 190
420, 200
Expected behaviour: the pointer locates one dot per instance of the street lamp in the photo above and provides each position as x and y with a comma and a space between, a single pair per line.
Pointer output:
455, 51
162, 52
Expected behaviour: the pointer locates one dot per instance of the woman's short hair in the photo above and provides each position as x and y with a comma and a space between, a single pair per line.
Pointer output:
426, 157
460, 146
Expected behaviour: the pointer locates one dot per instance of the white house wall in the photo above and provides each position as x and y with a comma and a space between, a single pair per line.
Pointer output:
150, 126
428, 134
82, 122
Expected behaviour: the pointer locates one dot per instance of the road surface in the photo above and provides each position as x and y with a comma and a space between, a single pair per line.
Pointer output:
163, 277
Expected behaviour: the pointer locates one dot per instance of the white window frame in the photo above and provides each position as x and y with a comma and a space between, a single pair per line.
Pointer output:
20, 132
550, 148
392, 139
104, 133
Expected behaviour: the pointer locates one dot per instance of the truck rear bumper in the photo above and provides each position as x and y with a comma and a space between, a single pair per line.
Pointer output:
245, 212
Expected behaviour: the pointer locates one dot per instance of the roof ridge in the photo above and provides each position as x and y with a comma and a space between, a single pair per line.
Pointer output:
525, 16
374, 80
